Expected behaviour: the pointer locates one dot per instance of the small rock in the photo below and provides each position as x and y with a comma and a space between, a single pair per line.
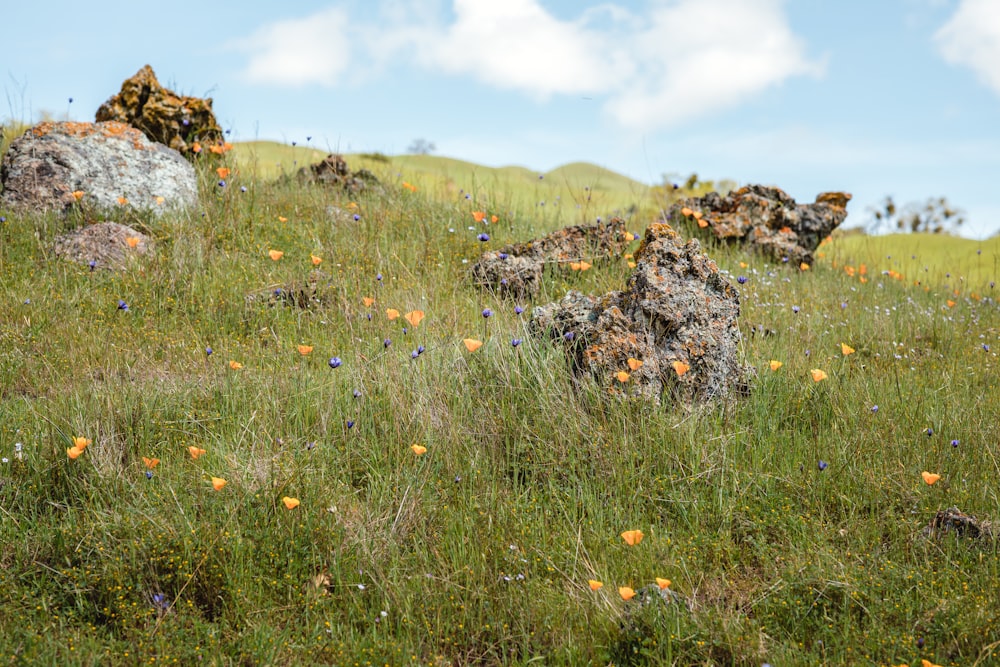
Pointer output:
954, 520
765, 219
316, 291
54, 166
677, 316
107, 244
517, 269
333, 170
162, 115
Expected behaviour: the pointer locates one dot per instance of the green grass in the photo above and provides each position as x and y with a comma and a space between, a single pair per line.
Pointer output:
479, 551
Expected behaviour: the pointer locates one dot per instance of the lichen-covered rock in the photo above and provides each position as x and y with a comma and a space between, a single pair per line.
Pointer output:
53, 166
333, 171
764, 219
517, 269
162, 115
676, 320
316, 291
105, 245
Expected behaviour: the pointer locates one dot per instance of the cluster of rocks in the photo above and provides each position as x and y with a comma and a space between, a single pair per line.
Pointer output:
333, 171
764, 219
672, 330
314, 292
517, 269
182, 123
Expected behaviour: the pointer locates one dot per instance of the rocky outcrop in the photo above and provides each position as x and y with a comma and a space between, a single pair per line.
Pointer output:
54, 166
764, 219
517, 269
186, 124
105, 245
333, 171
671, 332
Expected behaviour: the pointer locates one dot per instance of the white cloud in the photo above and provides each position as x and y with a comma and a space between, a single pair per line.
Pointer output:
698, 56
677, 60
971, 37
297, 52
517, 44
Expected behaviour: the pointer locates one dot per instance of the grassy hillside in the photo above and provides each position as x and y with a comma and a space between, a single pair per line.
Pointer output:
790, 522
571, 193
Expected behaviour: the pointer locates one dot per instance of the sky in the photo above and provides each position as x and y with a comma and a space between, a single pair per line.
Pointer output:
877, 98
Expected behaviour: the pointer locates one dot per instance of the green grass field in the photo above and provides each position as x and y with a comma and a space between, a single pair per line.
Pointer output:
479, 550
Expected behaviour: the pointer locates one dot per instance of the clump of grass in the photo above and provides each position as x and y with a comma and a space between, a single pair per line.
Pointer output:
478, 549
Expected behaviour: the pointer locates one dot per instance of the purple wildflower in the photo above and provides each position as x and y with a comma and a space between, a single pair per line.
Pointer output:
335, 362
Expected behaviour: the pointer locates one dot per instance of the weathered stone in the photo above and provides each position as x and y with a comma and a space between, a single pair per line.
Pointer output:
162, 115
764, 219
517, 269
333, 171
105, 245
957, 522
314, 292
677, 316
104, 164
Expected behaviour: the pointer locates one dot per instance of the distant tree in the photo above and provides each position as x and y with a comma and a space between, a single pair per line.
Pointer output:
934, 216
421, 147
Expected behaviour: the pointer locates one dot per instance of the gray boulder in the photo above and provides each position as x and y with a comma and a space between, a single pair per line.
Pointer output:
676, 321
54, 166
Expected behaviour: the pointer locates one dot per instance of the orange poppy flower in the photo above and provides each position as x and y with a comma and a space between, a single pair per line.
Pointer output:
304, 349
316, 260
223, 172
924, 662
622, 376
743, 265
132, 241
275, 255
574, 266
680, 368
419, 450
282, 218
235, 365
626, 593
775, 364
352, 205
817, 375
290, 503
697, 215
930, 477
122, 201
74, 452
218, 483
594, 584
368, 301
846, 349
584, 265
195, 452
493, 218
409, 186
686, 211
803, 266
951, 304
150, 463
701, 223
78, 195
634, 364
159, 200
632, 537
478, 216
414, 317
471, 344
196, 148
662, 583
80, 442
391, 313
217, 150
631, 265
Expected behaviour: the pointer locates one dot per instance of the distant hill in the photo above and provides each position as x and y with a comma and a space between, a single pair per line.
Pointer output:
592, 189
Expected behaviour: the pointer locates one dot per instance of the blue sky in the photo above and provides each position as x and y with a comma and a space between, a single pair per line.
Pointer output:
892, 97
